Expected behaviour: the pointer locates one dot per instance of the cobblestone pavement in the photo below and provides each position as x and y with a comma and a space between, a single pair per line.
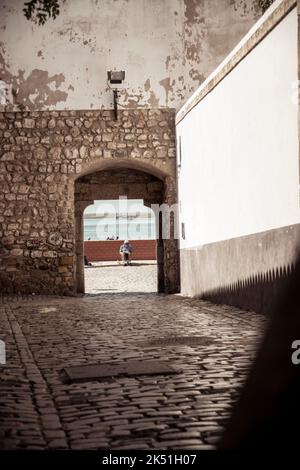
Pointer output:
112, 277
182, 411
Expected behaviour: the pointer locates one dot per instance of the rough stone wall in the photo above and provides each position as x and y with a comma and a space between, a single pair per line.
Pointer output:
166, 47
42, 154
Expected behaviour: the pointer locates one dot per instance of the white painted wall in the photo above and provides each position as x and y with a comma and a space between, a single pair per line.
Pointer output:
166, 47
239, 173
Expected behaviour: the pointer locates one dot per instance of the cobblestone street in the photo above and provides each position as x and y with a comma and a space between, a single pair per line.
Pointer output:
186, 410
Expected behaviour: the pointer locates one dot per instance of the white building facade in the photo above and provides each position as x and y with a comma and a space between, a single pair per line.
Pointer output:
238, 169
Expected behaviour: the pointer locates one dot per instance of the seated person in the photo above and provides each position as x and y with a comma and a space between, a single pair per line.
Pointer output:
126, 251
86, 262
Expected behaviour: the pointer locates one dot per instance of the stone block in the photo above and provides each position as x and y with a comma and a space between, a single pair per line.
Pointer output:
8, 213
107, 137
16, 252
112, 145
6, 241
66, 260
62, 269
148, 154
7, 157
107, 153
129, 137
55, 153
51, 123
120, 153
28, 123
161, 152
121, 145
36, 254
83, 151
127, 124
39, 153
21, 140
96, 153
75, 132
23, 189
49, 254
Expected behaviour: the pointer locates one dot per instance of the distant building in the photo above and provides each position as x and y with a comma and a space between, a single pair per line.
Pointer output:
135, 222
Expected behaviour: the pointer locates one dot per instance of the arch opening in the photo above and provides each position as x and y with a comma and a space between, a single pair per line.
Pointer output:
133, 184
154, 168
107, 224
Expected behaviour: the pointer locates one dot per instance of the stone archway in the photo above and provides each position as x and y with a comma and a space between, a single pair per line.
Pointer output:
55, 149
111, 183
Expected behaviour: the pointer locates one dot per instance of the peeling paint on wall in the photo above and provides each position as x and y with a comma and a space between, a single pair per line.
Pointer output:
245, 8
211, 29
34, 91
80, 32
147, 85
168, 87
192, 12
153, 101
40, 54
166, 49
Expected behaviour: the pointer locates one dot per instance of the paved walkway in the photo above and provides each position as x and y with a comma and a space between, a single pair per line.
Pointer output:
182, 411
111, 277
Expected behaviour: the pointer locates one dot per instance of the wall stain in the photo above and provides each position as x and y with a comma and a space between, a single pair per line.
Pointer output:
210, 30
202, 32
244, 7
191, 12
147, 85
79, 32
153, 101
167, 62
131, 99
168, 86
196, 76
34, 91
192, 51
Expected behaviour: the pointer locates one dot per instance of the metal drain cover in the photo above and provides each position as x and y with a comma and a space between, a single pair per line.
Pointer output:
180, 340
130, 368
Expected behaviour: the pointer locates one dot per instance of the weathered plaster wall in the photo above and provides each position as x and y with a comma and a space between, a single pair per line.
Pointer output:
42, 155
239, 146
166, 47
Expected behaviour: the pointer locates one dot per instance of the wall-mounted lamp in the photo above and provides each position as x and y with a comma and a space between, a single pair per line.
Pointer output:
115, 78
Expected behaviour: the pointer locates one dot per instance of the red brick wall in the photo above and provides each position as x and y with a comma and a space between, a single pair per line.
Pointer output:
108, 250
